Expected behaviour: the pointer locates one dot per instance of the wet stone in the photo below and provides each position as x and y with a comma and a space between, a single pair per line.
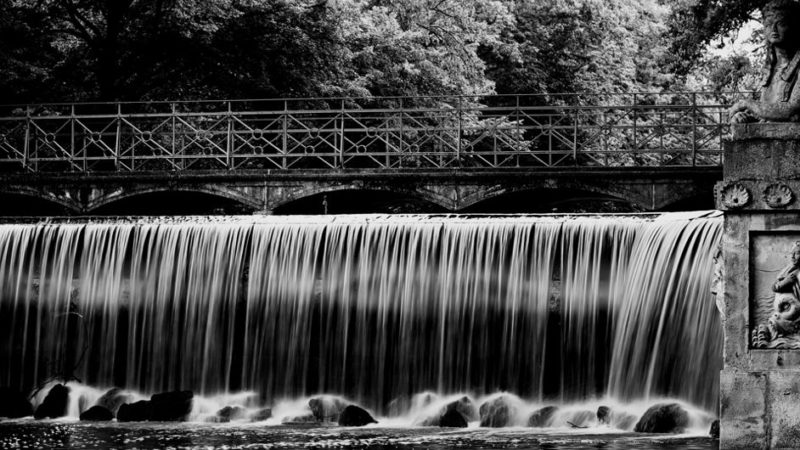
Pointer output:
714, 431
135, 412
55, 404
172, 406
113, 399
261, 415
663, 418
604, 415
229, 413
452, 419
496, 413
97, 414
355, 416
542, 417
326, 409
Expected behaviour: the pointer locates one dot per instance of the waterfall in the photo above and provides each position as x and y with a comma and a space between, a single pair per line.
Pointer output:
371, 307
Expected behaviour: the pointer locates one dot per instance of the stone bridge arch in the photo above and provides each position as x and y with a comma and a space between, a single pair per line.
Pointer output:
102, 196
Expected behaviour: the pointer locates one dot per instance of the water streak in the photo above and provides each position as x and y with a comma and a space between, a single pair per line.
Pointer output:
371, 307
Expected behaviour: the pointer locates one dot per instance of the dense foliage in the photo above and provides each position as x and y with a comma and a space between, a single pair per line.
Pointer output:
66, 50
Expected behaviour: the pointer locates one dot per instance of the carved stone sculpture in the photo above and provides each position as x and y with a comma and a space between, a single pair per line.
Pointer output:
783, 328
780, 94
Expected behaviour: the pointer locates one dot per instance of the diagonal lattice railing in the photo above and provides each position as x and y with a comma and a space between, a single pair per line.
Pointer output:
444, 133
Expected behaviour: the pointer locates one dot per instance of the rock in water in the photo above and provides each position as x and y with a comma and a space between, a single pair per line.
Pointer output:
326, 408
172, 406
497, 412
97, 414
135, 412
261, 415
113, 399
663, 418
714, 431
452, 419
542, 417
466, 407
55, 404
14, 404
604, 415
354, 416
229, 413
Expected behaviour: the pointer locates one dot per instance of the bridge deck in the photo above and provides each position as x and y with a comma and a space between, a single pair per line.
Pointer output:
481, 134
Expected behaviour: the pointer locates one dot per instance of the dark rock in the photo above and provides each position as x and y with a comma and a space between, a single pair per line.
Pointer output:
14, 404
326, 408
354, 416
135, 412
542, 417
452, 419
465, 406
604, 415
113, 399
229, 413
261, 415
55, 404
714, 431
172, 406
663, 418
97, 414
497, 412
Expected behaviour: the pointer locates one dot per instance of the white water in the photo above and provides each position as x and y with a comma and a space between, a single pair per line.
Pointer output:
553, 309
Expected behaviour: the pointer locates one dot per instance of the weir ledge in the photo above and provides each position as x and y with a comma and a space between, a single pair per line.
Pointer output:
760, 381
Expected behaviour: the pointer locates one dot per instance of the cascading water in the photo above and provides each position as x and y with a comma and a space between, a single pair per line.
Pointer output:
371, 307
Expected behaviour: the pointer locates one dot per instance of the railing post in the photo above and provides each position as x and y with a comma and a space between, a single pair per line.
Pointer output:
694, 129
229, 140
27, 148
118, 137
635, 117
341, 135
460, 130
72, 137
402, 134
519, 137
174, 130
285, 133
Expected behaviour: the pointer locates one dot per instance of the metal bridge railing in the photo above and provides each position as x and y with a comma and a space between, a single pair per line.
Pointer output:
490, 132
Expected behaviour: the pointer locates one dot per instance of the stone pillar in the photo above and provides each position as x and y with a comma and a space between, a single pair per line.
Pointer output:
760, 382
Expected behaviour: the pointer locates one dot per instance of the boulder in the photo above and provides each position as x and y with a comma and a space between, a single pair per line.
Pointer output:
497, 412
542, 417
135, 412
663, 418
355, 416
604, 415
229, 413
97, 414
327, 408
113, 399
261, 415
452, 419
14, 404
714, 431
172, 406
56, 403
581, 419
466, 407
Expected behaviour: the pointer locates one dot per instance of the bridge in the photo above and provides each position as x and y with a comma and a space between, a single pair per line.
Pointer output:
651, 151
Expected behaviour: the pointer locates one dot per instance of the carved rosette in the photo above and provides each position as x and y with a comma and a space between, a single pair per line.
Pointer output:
734, 196
778, 195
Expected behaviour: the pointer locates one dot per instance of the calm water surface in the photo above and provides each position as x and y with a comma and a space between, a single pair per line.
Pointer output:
73, 435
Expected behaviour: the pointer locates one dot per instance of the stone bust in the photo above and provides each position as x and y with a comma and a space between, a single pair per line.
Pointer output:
780, 94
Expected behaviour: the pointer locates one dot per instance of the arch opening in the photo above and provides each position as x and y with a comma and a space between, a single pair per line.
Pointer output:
544, 201
350, 201
172, 203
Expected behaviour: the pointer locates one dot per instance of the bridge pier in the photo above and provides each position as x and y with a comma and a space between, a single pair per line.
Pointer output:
760, 382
